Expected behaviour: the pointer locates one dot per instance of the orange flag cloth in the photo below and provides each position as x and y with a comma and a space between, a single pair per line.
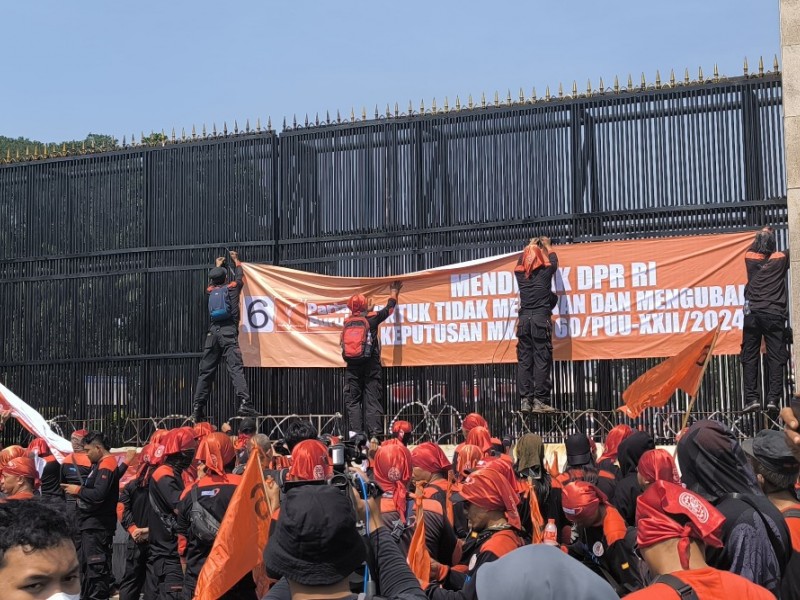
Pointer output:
683, 371
239, 546
419, 559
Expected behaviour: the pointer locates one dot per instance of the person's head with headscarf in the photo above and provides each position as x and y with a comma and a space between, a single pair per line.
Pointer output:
479, 436
358, 304
76, 439
583, 503
614, 438
556, 576
19, 476
534, 257
468, 458
9, 453
491, 500
713, 463
631, 450
202, 429
179, 447
39, 447
147, 464
670, 520
401, 431
530, 456
216, 452
775, 465
429, 463
310, 462
471, 421
657, 465
392, 471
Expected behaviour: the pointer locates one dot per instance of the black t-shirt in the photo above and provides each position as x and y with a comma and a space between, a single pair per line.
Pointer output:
535, 293
766, 282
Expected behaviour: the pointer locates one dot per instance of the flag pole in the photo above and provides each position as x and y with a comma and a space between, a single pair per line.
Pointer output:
700, 379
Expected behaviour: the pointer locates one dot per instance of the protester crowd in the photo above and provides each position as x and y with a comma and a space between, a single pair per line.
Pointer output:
717, 519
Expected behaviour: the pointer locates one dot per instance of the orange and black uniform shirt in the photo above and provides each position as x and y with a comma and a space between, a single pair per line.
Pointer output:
480, 548
99, 495
51, 478
790, 584
766, 282
214, 494
165, 492
708, 584
133, 510
437, 490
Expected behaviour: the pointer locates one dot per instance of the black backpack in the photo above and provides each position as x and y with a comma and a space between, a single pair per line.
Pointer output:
204, 525
219, 304
683, 589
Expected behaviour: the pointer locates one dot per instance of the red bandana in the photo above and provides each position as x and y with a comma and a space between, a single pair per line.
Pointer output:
392, 471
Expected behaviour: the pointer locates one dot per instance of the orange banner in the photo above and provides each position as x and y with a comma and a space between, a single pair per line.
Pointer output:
627, 299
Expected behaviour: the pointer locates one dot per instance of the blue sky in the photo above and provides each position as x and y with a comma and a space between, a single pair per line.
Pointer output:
104, 66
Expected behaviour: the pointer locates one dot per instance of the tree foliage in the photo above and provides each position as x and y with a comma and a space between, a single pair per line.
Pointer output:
20, 144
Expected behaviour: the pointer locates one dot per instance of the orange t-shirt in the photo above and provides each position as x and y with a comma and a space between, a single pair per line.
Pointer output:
793, 523
708, 584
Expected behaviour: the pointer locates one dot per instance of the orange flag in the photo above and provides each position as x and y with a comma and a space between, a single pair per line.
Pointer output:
419, 559
684, 371
242, 537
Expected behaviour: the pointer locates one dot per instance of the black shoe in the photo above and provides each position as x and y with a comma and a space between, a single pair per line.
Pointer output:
754, 406
772, 407
199, 414
541, 407
525, 406
246, 409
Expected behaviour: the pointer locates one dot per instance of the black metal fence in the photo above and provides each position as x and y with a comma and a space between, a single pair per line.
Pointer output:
103, 256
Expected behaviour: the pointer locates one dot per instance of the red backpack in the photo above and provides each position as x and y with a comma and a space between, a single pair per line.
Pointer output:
356, 340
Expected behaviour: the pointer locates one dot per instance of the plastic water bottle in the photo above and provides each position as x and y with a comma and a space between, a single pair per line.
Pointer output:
550, 533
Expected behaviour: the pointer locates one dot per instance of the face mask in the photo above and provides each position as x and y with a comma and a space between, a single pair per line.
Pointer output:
63, 596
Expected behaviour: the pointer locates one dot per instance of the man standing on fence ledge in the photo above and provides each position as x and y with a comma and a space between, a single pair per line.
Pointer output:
222, 339
361, 351
534, 271
765, 313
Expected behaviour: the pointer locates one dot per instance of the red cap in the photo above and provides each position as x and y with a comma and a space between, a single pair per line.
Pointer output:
215, 451
581, 499
158, 436
22, 466
473, 420
357, 303
490, 489
179, 440
392, 471
79, 434
9, 453
429, 457
658, 465
310, 462
656, 512
479, 436
400, 429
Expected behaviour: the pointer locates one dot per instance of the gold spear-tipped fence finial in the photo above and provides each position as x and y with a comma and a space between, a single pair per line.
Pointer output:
183, 135
483, 100
352, 114
17, 153
327, 117
458, 102
235, 126
616, 83
672, 77
422, 106
658, 79
410, 108
521, 96
173, 134
547, 93
446, 107
761, 66
574, 89
377, 114
533, 94
225, 129
214, 129
396, 109
630, 82
508, 97
588, 87
470, 104
194, 132
644, 83
316, 119
306, 121
44, 149
686, 79
247, 125
338, 116
775, 65
27, 152
700, 77
269, 123
8, 154
560, 90
716, 73
64, 146
205, 133
258, 124
601, 86
284, 123
433, 106
745, 68
496, 98
388, 111
363, 113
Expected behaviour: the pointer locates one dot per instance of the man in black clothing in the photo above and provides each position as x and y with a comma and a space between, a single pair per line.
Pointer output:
97, 516
766, 309
134, 516
363, 377
222, 339
534, 272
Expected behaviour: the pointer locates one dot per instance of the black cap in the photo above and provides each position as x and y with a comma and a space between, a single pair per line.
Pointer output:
315, 541
217, 274
769, 448
579, 451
